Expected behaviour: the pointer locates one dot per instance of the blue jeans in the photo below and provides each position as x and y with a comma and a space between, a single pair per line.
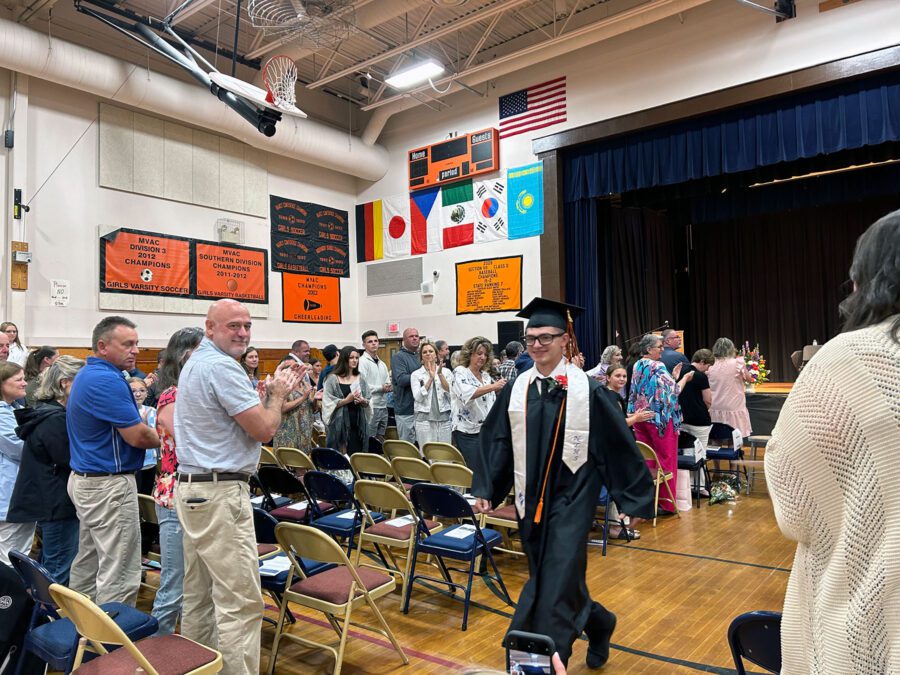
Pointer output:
60, 544
167, 606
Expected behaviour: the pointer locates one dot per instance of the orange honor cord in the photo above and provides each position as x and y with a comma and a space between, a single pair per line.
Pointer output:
540, 506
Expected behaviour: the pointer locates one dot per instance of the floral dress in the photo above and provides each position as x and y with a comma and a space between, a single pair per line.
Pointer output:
652, 388
165, 480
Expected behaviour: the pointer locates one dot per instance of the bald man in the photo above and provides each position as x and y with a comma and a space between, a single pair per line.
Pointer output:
4, 347
403, 364
219, 424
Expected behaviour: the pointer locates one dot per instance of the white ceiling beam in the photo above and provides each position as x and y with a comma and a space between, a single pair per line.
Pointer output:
190, 10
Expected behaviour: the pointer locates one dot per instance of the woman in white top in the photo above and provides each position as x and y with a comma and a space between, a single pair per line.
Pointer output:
17, 352
473, 396
431, 396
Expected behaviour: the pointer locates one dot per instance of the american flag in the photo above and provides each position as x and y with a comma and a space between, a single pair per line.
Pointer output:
533, 108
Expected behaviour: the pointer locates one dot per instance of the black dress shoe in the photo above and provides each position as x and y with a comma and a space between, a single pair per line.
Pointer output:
598, 645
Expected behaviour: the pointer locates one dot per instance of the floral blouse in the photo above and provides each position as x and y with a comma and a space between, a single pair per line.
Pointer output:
469, 413
165, 480
652, 388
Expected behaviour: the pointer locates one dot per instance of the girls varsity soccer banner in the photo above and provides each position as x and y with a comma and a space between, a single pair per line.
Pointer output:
149, 263
309, 238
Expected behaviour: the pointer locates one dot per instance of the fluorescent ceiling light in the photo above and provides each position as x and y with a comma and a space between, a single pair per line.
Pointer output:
417, 74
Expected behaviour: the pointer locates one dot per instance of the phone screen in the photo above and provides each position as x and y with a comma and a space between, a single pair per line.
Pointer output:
525, 663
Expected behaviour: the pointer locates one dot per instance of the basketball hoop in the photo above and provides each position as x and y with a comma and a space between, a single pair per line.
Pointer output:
280, 77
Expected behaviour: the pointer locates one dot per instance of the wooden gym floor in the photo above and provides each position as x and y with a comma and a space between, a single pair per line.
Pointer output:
674, 592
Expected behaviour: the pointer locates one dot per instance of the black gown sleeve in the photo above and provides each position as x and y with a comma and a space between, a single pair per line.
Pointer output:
621, 464
496, 478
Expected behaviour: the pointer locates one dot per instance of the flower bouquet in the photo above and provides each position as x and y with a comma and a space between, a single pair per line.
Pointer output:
755, 363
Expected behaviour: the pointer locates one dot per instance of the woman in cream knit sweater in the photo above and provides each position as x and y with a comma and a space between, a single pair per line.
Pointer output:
832, 468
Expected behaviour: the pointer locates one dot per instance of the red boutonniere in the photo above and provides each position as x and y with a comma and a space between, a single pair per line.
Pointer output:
559, 382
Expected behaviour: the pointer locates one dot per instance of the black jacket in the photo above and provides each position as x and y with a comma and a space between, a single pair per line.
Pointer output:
40, 492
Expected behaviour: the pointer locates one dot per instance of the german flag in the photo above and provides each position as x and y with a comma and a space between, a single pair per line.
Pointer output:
369, 242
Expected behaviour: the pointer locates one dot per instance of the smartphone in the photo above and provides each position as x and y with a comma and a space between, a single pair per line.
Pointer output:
528, 653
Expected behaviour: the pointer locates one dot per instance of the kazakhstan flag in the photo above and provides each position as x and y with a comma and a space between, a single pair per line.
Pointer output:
525, 190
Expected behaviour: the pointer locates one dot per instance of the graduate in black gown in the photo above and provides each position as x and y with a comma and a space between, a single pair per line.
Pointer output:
528, 442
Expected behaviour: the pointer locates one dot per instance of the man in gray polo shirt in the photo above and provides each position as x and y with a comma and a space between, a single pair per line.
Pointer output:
219, 424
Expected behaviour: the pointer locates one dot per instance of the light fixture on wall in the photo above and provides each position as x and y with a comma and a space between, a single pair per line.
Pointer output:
416, 74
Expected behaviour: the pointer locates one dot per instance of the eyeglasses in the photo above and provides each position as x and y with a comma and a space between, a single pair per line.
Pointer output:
544, 338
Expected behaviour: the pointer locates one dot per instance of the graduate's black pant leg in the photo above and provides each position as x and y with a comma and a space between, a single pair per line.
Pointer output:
599, 629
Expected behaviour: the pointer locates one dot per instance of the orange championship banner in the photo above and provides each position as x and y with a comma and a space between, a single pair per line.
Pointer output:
308, 299
133, 261
489, 285
231, 271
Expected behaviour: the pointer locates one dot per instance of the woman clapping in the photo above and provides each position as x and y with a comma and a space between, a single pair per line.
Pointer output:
431, 393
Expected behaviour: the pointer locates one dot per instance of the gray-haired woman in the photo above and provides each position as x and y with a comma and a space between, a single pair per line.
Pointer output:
40, 492
726, 381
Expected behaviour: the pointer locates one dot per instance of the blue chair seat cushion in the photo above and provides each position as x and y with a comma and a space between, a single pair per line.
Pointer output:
724, 453
689, 463
444, 544
56, 641
337, 522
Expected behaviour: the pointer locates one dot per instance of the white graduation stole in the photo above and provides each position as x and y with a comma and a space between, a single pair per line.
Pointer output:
577, 432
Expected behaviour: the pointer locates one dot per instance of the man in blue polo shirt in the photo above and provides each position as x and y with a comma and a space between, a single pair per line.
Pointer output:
107, 440
671, 357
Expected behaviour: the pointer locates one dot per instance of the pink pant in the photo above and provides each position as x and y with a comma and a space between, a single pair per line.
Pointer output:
666, 447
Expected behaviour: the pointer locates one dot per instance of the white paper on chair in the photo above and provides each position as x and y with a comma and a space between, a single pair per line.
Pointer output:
462, 532
299, 506
272, 567
471, 499
350, 515
257, 501
402, 521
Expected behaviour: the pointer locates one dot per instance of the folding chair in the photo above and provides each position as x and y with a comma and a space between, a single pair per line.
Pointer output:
411, 470
463, 542
376, 447
397, 448
397, 532
335, 592
506, 519
343, 523
756, 636
149, 531
274, 479
660, 477
369, 466
56, 642
391, 434
267, 456
452, 474
442, 452
96, 627
294, 459
333, 462
695, 462
726, 443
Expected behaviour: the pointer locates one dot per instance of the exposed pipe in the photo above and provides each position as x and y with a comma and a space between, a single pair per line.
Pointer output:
27, 51
616, 24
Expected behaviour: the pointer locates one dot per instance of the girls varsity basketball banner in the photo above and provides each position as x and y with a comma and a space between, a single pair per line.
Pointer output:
149, 263
509, 206
309, 238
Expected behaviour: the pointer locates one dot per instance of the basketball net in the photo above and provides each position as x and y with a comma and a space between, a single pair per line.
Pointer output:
280, 77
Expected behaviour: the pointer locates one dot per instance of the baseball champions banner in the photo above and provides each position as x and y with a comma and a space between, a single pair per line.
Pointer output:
490, 285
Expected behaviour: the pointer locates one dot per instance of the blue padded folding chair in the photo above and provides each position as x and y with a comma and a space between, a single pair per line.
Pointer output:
331, 461
282, 481
269, 500
344, 523
727, 448
54, 640
756, 636
690, 461
444, 502
603, 500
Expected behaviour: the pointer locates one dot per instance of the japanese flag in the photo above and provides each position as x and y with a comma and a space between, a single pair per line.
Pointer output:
396, 226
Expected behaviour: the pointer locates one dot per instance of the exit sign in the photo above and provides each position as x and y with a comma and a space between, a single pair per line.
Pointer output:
393, 328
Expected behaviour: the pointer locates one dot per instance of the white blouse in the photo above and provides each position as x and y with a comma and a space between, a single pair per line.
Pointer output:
422, 396
469, 413
17, 354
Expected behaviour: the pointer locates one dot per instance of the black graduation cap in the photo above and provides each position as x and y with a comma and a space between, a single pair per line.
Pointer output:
543, 312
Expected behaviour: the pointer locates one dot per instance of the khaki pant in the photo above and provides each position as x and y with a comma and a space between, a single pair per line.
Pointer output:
15, 537
107, 567
223, 605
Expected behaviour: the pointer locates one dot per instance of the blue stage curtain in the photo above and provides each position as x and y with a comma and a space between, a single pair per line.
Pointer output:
583, 276
827, 120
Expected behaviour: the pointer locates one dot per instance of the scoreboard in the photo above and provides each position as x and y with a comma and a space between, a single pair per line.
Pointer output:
454, 159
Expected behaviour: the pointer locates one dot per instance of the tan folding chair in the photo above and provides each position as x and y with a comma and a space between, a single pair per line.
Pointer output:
391, 434
659, 477
267, 456
411, 470
398, 448
96, 627
368, 465
398, 531
335, 592
442, 452
454, 475
294, 460
503, 518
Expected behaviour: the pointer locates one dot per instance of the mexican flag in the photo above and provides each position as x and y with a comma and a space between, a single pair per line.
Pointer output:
457, 214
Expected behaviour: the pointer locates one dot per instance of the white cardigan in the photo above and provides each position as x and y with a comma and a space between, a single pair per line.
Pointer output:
832, 468
422, 396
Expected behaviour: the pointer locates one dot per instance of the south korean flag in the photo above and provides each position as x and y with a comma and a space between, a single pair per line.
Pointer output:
490, 210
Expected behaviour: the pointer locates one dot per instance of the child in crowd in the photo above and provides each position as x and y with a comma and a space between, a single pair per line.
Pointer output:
148, 415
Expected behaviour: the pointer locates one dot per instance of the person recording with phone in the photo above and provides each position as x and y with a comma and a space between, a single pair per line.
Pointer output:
556, 438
